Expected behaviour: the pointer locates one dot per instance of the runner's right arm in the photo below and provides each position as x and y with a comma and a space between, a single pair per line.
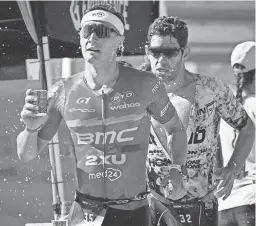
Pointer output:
29, 144
164, 112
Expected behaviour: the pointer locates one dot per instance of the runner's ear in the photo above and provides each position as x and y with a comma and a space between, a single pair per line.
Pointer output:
186, 53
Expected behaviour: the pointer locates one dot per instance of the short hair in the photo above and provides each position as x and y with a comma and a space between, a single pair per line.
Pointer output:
172, 26
106, 7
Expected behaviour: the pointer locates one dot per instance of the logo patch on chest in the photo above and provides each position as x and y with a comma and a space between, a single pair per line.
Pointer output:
203, 113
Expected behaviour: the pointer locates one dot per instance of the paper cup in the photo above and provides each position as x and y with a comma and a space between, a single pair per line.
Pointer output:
41, 102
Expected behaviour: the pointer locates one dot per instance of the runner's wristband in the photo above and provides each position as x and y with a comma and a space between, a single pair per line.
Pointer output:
32, 130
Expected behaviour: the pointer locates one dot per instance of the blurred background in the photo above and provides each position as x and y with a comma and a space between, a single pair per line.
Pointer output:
215, 28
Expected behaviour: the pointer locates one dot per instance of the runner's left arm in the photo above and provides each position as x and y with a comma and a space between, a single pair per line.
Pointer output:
162, 110
232, 111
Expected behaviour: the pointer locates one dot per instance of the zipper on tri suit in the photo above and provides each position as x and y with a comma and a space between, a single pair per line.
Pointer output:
103, 116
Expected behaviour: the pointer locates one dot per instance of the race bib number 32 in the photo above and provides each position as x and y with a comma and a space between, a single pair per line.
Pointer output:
185, 218
188, 216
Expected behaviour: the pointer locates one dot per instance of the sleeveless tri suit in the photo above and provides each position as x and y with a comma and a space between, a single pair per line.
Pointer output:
110, 133
213, 101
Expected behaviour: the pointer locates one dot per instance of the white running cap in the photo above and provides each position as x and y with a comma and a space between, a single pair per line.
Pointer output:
244, 54
102, 15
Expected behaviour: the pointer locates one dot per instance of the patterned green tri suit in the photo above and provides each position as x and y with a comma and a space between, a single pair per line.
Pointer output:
110, 134
213, 101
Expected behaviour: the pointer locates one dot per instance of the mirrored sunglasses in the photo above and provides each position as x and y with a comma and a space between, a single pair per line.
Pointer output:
100, 30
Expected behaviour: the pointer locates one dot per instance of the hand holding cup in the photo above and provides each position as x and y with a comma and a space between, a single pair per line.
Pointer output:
34, 112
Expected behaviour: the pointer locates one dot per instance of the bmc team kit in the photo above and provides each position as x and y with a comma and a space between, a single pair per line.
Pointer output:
110, 132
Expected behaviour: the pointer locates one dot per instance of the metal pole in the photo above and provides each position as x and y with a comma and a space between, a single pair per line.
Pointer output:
54, 150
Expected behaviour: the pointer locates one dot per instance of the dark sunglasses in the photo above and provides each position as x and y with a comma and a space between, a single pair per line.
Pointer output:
168, 52
100, 30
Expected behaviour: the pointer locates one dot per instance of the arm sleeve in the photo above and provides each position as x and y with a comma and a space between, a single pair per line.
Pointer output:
56, 98
229, 108
160, 108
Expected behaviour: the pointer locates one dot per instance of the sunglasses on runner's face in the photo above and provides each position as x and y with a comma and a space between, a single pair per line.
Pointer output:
100, 30
168, 52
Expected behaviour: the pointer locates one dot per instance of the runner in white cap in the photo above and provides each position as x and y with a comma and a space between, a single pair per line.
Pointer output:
239, 208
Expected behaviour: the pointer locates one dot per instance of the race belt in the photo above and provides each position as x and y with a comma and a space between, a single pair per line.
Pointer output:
87, 199
173, 203
90, 211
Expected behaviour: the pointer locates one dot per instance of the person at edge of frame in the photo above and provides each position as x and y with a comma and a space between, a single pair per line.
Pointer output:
239, 208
